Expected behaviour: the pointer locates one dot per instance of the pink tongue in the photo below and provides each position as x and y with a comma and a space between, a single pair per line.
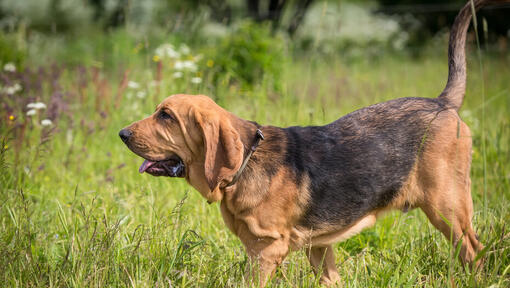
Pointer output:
146, 164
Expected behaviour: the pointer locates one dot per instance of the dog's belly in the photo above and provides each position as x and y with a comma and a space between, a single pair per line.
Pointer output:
358, 163
346, 233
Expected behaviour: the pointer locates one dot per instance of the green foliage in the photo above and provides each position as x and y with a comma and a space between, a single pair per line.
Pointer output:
75, 212
249, 55
9, 50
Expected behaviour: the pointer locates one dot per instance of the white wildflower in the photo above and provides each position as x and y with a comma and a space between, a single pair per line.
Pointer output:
190, 65
141, 94
167, 50
196, 80
12, 89
184, 49
178, 65
133, 85
177, 74
10, 67
36, 105
46, 122
185, 65
31, 112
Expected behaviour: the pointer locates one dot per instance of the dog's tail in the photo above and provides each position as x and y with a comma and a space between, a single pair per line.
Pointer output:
453, 93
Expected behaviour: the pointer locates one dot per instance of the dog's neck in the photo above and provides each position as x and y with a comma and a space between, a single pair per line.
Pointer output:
256, 141
246, 130
263, 158
256, 180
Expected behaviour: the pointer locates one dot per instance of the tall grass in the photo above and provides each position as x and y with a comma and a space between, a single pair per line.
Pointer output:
75, 212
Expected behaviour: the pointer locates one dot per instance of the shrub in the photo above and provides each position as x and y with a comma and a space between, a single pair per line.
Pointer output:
249, 55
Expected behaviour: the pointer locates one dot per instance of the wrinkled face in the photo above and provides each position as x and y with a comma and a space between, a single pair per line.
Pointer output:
161, 140
187, 136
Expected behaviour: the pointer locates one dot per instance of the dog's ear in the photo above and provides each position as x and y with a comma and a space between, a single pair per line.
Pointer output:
223, 148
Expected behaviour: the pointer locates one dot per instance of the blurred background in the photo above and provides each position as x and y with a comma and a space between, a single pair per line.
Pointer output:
84, 31
75, 212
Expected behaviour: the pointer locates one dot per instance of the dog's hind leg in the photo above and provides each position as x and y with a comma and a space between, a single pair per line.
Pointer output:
444, 174
322, 260
454, 221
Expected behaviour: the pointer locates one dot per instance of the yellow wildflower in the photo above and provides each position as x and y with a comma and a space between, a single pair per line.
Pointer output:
210, 63
155, 58
137, 48
11, 117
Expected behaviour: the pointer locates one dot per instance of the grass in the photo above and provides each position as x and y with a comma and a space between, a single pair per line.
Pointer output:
75, 212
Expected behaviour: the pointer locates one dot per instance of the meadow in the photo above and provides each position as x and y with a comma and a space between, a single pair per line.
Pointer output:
75, 212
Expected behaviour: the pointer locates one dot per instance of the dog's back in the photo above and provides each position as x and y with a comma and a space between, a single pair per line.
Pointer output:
359, 162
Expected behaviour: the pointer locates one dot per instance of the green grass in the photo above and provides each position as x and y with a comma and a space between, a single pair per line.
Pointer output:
75, 212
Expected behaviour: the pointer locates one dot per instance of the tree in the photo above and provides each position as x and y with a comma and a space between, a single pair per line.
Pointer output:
274, 12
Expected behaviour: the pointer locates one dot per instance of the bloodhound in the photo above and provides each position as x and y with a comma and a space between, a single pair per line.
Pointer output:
282, 189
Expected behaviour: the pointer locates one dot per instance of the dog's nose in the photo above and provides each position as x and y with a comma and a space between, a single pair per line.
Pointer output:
125, 134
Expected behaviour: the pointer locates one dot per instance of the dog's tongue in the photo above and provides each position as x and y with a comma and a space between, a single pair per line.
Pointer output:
146, 164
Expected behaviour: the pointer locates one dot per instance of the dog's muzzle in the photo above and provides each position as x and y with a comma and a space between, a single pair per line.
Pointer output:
172, 167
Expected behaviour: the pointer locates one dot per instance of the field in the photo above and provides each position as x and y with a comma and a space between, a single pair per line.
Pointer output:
75, 212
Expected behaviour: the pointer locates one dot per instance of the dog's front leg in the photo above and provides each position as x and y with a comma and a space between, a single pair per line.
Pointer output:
266, 254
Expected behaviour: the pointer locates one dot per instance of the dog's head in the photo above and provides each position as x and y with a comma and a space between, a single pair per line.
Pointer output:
188, 136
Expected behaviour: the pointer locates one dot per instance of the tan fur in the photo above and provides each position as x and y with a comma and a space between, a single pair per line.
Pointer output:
209, 164
207, 138
443, 175
322, 260
264, 213
440, 185
338, 236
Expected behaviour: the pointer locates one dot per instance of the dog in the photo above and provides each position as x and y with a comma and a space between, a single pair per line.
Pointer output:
284, 189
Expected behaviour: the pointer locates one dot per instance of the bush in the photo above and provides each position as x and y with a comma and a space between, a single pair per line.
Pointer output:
249, 55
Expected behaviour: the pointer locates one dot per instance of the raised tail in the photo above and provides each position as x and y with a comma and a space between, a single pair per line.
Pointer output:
453, 93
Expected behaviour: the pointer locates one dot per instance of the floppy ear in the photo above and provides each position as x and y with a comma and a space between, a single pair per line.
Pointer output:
222, 147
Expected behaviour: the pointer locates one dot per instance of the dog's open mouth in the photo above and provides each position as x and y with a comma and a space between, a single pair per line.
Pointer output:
171, 167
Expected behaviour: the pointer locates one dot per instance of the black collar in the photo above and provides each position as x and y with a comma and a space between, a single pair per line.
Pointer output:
258, 136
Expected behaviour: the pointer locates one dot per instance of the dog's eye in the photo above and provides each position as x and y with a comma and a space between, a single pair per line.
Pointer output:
165, 116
